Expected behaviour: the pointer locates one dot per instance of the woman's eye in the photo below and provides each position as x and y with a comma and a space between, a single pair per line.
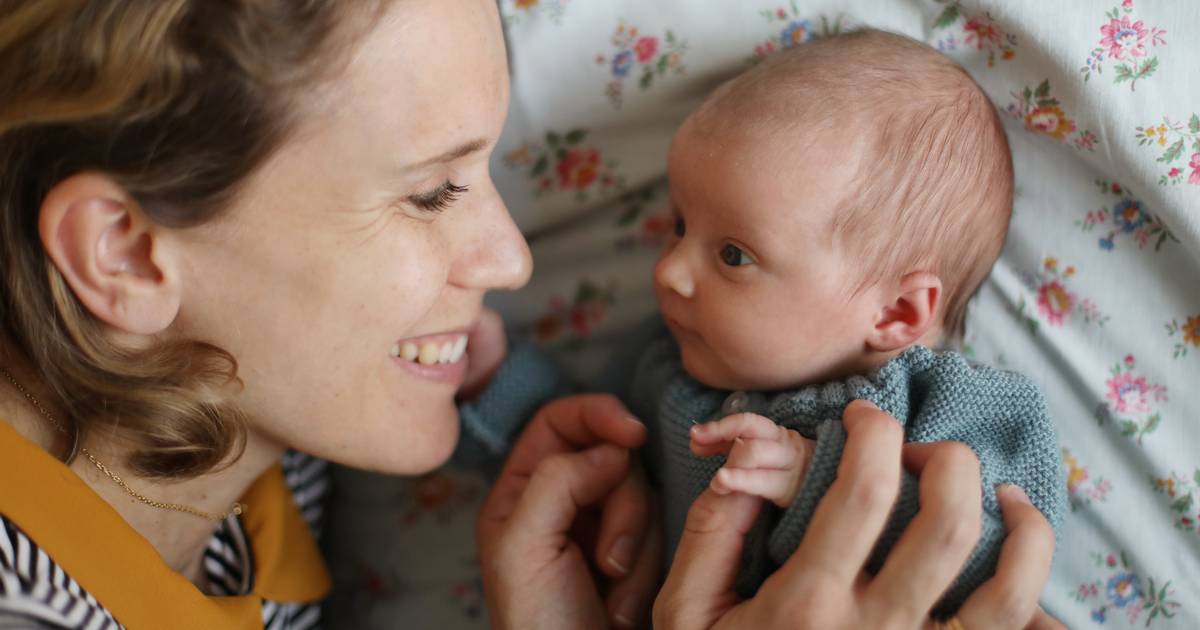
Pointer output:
733, 256
440, 198
680, 228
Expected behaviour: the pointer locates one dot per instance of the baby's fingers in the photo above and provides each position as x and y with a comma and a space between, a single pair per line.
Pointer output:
744, 425
768, 454
777, 486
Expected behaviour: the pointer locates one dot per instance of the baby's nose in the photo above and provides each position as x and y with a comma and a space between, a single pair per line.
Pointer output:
672, 273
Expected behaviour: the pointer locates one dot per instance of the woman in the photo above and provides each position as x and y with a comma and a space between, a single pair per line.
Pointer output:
221, 222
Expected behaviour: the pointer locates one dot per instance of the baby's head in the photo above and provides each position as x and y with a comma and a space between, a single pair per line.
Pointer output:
835, 204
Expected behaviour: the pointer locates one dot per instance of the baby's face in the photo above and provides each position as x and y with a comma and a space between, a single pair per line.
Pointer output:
753, 285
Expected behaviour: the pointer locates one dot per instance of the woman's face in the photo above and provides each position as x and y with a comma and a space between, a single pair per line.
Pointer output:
358, 236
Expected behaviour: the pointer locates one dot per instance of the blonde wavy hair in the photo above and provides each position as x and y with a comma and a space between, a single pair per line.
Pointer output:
179, 102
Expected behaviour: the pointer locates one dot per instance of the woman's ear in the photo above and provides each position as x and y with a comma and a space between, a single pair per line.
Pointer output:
908, 314
115, 259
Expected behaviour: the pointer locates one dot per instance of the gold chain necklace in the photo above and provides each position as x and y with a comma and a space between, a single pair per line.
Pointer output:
237, 508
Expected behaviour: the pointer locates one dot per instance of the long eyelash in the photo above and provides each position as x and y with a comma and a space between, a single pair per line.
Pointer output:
439, 199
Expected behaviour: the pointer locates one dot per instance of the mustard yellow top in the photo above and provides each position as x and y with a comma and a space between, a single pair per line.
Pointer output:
122, 570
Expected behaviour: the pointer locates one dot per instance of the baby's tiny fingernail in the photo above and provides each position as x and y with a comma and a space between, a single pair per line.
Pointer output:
620, 555
625, 613
1016, 493
867, 403
634, 420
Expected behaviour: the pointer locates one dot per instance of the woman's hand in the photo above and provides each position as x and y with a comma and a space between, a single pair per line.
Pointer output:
537, 524
823, 585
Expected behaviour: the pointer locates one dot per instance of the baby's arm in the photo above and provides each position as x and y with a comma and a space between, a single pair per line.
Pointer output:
763, 458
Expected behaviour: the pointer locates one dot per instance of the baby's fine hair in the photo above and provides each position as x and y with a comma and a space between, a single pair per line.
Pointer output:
933, 190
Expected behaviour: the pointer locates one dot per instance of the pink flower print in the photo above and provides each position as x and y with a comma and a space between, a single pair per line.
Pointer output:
1127, 4
1129, 393
1120, 37
983, 32
781, 13
645, 48
1055, 302
1174, 172
1195, 166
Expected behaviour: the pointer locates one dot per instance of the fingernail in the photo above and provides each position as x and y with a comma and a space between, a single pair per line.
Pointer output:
1015, 492
867, 403
620, 556
626, 612
634, 420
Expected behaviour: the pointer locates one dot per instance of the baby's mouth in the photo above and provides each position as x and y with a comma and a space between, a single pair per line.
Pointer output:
443, 349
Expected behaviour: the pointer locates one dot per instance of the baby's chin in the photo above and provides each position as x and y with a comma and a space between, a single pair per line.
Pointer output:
716, 374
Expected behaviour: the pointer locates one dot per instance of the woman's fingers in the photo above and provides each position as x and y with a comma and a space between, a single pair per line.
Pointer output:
937, 542
624, 524
559, 487
699, 588
630, 597
1024, 565
575, 422
850, 517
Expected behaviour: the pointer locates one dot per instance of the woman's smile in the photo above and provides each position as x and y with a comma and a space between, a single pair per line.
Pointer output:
437, 357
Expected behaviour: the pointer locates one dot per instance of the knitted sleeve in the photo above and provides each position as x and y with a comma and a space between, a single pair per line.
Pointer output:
526, 380
941, 397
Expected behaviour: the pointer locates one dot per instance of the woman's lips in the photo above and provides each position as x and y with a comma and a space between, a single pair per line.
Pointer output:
439, 357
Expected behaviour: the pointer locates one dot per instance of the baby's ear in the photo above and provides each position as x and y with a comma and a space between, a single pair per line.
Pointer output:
908, 313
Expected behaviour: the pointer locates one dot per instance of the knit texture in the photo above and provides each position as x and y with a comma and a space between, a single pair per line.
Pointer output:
936, 396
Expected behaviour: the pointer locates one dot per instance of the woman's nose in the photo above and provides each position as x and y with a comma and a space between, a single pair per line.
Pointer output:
672, 272
495, 256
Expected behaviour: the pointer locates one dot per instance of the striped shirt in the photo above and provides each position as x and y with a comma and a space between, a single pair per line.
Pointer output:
36, 593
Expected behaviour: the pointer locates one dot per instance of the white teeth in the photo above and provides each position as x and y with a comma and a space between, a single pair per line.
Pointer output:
460, 347
429, 353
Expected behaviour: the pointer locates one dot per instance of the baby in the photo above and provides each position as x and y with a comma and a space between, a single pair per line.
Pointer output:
836, 206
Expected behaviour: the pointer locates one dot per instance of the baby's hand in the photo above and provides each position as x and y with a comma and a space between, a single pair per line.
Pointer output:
764, 459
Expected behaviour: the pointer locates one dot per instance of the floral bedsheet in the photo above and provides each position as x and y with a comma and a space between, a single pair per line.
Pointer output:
1096, 296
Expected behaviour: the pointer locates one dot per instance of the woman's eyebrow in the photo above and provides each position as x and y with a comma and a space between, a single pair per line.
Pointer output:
460, 151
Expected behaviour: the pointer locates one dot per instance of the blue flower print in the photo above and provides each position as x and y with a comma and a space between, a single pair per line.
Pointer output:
622, 63
1128, 215
1124, 589
797, 32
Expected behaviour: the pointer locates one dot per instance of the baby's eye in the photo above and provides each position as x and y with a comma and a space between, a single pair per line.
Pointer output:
733, 256
680, 228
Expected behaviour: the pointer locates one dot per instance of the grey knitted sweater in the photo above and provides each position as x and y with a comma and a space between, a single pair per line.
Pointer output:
935, 395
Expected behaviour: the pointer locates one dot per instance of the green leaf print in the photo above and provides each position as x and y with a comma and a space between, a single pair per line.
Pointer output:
1194, 124
1043, 89
948, 17
1172, 153
575, 136
542, 164
552, 138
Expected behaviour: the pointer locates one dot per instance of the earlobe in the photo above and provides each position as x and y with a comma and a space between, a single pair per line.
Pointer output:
908, 313
115, 260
